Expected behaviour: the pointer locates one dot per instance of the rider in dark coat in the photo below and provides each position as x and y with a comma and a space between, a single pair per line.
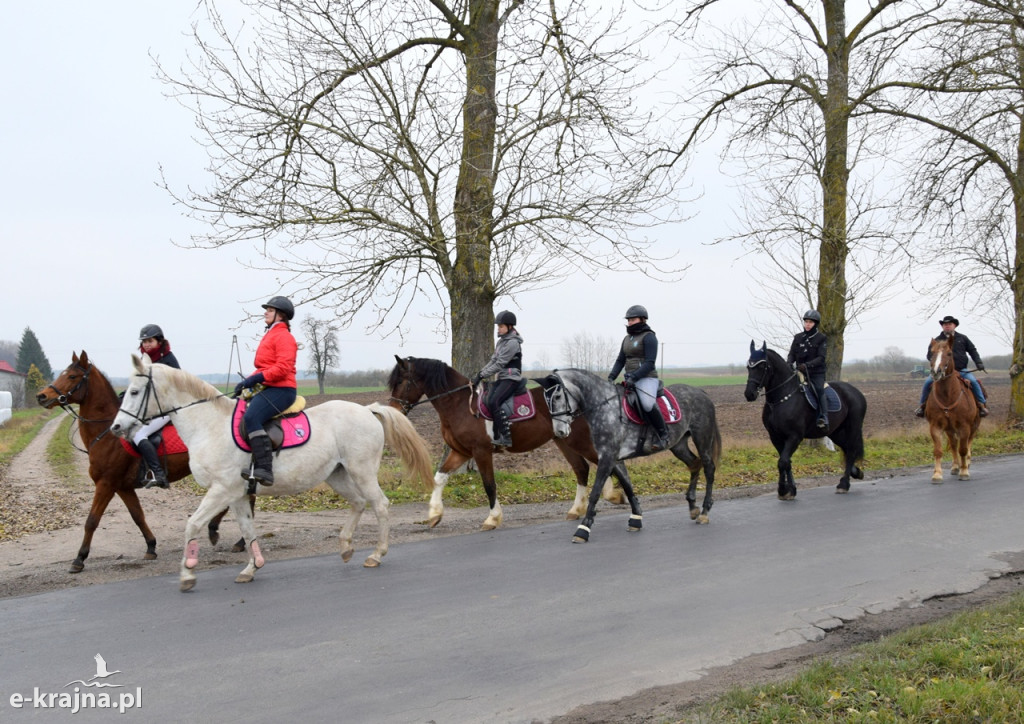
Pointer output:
154, 345
962, 348
639, 356
807, 354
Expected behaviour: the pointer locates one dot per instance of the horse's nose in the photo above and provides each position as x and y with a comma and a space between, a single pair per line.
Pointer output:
751, 395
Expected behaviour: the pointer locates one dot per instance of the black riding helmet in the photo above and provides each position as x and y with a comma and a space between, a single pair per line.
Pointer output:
283, 305
506, 317
637, 310
812, 314
151, 330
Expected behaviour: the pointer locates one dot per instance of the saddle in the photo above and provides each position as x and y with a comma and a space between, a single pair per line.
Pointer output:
667, 403
289, 429
517, 407
167, 442
832, 401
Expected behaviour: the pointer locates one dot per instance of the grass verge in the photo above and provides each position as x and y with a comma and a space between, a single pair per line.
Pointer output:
966, 668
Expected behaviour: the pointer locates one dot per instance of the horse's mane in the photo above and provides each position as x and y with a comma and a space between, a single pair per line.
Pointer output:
192, 385
436, 376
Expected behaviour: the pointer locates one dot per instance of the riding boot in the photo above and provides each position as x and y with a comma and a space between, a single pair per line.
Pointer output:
156, 475
657, 422
920, 410
982, 409
262, 460
502, 430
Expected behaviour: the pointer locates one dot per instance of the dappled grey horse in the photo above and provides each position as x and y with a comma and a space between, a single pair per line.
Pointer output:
576, 393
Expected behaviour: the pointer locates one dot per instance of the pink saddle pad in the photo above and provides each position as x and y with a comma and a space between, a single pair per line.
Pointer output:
295, 428
522, 408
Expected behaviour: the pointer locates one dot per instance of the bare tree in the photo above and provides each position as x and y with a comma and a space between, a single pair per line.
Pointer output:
323, 347
969, 185
386, 152
588, 352
769, 75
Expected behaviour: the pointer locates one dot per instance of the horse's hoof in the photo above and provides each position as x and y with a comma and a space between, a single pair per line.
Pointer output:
936, 481
150, 556
371, 562
857, 473
187, 584
617, 497
635, 523
702, 520
244, 578
582, 535
433, 520
239, 546
77, 566
694, 512
787, 496
841, 491
572, 516
488, 526
346, 555
578, 539
964, 476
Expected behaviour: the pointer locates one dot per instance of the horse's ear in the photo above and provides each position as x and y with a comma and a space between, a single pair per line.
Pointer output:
751, 346
74, 358
764, 346
400, 361
137, 364
83, 358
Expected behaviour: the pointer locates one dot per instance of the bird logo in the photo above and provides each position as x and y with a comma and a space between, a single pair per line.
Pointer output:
101, 673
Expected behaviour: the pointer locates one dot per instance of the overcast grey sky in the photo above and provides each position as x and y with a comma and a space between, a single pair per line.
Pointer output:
87, 235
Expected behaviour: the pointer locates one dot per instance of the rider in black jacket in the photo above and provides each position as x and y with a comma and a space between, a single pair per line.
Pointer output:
807, 354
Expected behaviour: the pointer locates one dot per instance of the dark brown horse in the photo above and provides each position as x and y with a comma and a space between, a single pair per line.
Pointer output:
112, 468
466, 434
951, 410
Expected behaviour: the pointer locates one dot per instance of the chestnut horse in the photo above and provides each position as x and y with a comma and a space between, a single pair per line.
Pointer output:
466, 434
951, 410
112, 468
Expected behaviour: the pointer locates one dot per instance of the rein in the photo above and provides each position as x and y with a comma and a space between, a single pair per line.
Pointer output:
767, 391
408, 406
160, 411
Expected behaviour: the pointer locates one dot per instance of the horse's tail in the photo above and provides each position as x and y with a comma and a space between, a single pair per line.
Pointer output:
401, 436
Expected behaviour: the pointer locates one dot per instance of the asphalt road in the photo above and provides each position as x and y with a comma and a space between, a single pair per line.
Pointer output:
513, 625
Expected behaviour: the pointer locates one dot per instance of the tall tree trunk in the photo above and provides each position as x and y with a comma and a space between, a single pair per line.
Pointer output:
834, 251
472, 290
1016, 413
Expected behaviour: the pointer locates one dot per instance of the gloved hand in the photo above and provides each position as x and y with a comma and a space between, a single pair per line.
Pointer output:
981, 367
628, 381
803, 369
249, 382
611, 378
476, 379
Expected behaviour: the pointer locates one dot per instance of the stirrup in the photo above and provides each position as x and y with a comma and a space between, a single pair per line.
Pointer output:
150, 481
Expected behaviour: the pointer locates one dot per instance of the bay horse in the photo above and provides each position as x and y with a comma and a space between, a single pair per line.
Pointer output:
951, 410
466, 435
574, 394
344, 449
112, 468
789, 417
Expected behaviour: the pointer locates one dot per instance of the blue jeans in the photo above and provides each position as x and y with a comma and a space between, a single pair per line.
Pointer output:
969, 376
268, 403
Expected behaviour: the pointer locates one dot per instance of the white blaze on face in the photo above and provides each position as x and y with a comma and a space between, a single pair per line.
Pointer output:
937, 363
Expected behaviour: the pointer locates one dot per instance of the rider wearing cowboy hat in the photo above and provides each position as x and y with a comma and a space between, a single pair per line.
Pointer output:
807, 354
962, 347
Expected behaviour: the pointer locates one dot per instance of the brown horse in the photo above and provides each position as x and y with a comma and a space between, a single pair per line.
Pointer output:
112, 468
466, 434
951, 410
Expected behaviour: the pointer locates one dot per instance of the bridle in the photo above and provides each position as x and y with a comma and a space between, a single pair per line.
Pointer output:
161, 412
766, 377
64, 398
574, 401
408, 406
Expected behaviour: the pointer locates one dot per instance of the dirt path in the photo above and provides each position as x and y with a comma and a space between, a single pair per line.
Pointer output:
39, 561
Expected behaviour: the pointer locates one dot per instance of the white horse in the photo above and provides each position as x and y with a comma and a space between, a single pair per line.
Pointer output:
344, 449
